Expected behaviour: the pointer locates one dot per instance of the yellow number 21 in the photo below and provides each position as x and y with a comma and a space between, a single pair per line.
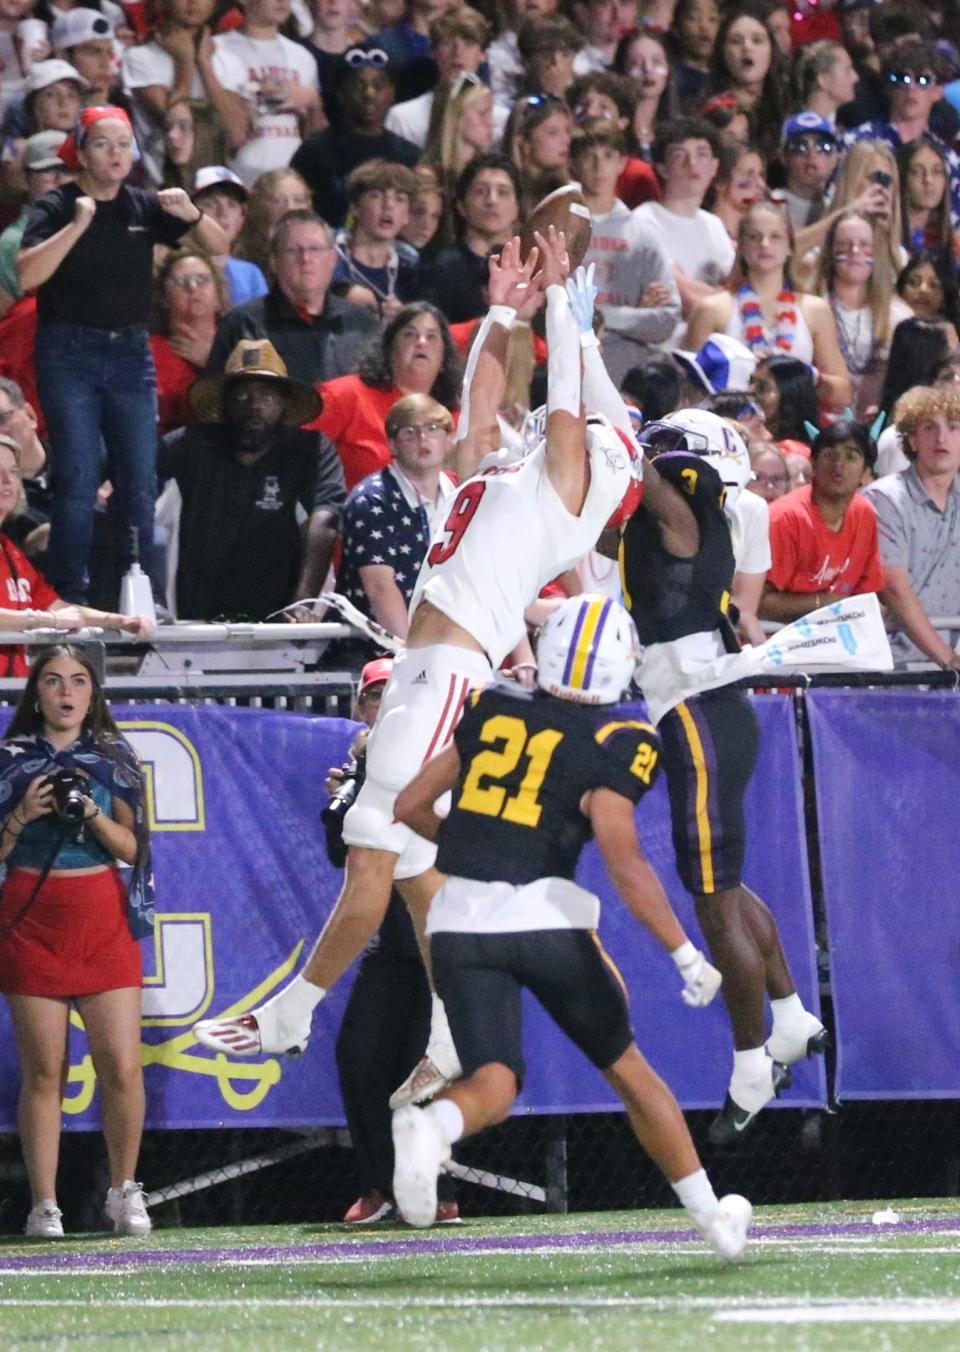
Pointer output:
490, 798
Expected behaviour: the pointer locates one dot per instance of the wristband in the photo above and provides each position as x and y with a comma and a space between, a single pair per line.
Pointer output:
94, 815
685, 954
588, 340
503, 315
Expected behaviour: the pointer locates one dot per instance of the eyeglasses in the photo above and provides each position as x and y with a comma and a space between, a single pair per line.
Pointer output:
192, 281
771, 480
414, 432
359, 57
300, 252
906, 78
810, 145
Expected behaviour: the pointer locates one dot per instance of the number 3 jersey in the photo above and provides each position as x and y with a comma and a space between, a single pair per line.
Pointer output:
526, 760
505, 536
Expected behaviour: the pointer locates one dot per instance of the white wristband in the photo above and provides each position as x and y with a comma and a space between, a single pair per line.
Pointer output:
685, 954
502, 315
588, 340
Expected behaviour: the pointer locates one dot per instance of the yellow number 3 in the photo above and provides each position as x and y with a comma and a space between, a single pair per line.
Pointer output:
690, 477
491, 799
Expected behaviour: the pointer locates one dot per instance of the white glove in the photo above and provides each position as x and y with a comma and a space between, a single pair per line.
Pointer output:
701, 981
582, 295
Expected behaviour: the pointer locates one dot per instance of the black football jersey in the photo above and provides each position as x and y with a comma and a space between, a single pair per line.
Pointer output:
526, 760
670, 597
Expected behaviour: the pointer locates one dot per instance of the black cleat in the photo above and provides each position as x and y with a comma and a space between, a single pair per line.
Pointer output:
730, 1123
819, 1044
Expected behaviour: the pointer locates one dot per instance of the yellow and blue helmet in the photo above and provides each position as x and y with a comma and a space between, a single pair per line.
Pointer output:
587, 650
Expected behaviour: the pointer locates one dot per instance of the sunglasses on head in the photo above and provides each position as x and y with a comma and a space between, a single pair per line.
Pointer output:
908, 77
359, 57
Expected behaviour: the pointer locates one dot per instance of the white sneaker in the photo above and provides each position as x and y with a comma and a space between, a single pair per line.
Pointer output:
126, 1206
264, 1031
726, 1230
808, 1039
420, 1151
45, 1221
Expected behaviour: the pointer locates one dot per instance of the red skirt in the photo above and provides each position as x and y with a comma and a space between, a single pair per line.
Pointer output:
74, 939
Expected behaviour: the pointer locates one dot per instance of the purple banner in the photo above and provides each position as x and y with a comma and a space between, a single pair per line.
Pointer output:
887, 773
244, 885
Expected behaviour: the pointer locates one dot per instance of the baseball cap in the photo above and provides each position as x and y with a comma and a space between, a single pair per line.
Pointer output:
723, 363
807, 124
46, 73
374, 673
219, 176
40, 152
79, 25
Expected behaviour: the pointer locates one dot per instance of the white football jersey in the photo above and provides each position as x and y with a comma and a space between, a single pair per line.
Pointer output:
505, 536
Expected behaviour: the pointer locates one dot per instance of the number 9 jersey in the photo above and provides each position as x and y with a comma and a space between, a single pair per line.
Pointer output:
506, 535
526, 760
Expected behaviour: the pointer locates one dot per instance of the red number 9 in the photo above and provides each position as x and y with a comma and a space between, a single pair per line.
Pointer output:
460, 515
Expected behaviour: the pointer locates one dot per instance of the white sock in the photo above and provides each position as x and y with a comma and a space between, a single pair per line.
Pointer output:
299, 999
439, 1027
789, 1016
448, 1118
697, 1195
751, 1083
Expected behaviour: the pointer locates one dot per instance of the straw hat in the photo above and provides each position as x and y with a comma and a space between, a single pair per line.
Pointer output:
254, 357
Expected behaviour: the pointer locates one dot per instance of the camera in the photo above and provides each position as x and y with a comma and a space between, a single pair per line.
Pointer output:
881, 177
343, 796
69, 789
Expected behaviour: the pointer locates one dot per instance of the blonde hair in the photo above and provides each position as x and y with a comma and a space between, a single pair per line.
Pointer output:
924, 402
443, 148
402, 413
880, 283
738, 274
253, 242
851, 181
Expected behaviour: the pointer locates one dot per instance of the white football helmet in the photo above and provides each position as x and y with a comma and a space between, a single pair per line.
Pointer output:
587, 650
708, 435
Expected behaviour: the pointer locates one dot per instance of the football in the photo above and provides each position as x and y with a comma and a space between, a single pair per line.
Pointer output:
565, 209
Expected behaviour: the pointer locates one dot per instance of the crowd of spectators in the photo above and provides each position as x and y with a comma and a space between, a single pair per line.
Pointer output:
245, 247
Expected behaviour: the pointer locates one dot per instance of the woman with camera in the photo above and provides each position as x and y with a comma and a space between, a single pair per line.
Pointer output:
71, 795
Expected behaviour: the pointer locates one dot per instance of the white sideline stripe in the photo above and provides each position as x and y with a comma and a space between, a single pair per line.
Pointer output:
853, 1312
724, 1308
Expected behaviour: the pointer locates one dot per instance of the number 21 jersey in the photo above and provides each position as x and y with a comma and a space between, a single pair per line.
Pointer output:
526, 760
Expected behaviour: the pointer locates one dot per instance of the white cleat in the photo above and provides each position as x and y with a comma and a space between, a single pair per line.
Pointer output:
438, 1067
263, 1031
726, 1230
810, 1040
420, 1151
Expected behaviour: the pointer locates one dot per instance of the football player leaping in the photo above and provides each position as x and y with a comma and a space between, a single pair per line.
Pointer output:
533, 775
507, 533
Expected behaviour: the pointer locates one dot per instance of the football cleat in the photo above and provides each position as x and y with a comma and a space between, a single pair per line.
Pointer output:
370, 1209
427, 1079
420, 1151
726, 1230
732, 1121
812, 1040
261, 1032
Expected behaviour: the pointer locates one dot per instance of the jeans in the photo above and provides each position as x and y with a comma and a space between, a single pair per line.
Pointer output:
98, 390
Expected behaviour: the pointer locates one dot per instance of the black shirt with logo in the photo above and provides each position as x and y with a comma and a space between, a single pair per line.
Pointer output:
105, 280
240, 544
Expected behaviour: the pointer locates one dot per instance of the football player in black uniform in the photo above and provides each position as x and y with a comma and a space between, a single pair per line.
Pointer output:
532, 776
677, 566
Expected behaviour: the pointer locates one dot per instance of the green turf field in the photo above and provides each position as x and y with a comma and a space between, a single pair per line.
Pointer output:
823, 1278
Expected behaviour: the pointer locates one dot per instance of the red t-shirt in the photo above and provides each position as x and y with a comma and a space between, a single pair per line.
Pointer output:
21, 588
638, 183
352, 418
810, 557
462, 335
18, 336
175, 375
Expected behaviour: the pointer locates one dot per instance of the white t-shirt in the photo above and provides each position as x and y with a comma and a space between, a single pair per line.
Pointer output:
275, 136
749, 519
148, 64
697, 244
506, 535
411, 119
11, 77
